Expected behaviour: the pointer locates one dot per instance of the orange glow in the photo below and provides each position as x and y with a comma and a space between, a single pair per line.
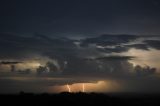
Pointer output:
83, 88
100, 86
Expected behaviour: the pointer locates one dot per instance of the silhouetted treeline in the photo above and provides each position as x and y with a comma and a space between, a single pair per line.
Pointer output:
75, 99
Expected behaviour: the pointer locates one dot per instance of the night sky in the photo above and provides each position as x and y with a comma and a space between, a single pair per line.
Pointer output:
79, 45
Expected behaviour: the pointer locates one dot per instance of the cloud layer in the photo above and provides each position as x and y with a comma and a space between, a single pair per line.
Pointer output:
84, 60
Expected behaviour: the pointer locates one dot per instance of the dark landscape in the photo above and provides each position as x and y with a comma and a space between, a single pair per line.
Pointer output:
65, 98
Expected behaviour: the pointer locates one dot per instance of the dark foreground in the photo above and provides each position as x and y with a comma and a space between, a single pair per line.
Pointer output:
68, 99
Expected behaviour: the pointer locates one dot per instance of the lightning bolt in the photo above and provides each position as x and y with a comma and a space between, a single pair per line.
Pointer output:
83, 88
69, 89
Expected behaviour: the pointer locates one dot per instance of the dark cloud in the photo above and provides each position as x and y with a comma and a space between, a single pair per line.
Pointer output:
121, 43
49, 67
138, 46
153, 43
143, 71
102, 67
21, 47
115, 49
70, 57
112, 58
113, 43
9, 62
15, 46
109, 40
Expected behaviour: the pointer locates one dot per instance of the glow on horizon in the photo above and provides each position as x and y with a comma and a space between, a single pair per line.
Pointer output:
99, 86
83, 88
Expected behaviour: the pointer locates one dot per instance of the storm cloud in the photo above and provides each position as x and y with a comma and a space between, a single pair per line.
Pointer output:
70, 61
9, 62
73, 59
58, 42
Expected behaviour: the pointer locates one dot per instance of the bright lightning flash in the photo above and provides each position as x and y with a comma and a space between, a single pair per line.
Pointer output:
83, 88
69, 89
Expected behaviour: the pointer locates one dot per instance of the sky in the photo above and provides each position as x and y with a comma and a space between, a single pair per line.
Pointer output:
79, 45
